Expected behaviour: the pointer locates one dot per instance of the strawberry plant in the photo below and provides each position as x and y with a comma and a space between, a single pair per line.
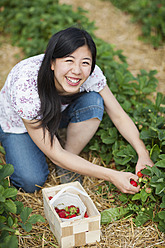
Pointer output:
32, 23
13, 214
150, 14
148, 204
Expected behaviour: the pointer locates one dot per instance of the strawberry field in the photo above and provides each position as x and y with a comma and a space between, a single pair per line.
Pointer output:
126, 220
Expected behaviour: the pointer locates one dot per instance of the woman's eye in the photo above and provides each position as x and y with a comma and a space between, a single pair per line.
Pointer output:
69, 60
86, 63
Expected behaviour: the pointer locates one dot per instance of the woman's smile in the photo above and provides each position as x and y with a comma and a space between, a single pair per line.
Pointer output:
73, 81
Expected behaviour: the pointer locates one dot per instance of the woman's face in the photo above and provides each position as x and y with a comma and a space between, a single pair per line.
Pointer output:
72, 71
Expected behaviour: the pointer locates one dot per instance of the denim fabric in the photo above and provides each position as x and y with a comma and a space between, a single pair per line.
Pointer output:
29, 162
30, 166
87, 106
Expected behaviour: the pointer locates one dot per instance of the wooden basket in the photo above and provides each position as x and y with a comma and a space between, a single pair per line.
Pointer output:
77, 232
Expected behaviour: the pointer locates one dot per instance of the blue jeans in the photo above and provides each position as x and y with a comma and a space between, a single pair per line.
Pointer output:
30, 166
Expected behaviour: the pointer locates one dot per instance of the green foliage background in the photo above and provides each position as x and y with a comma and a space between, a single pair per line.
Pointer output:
31, 24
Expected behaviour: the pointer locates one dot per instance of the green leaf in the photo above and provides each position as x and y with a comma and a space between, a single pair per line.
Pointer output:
113, 214
159, 99
2, 150
143, 195
162, 205
1, 190
10, 206
10, 192
123, 197
10, 241
161, 226
6, 171
141, 219
20, 206
2, 198
36, 218
160, 163
154, 153
162, 215
156, 171
27, 226
162, 156
160, 188
136, 197
6, 228
10, 221
2, 219
119, 77
25, 214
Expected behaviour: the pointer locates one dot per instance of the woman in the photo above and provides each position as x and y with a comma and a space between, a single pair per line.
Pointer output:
62, 88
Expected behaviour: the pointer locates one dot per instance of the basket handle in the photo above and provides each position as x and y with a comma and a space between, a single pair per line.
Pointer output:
64, 189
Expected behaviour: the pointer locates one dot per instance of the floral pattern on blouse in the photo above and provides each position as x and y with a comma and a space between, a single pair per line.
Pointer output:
19, 96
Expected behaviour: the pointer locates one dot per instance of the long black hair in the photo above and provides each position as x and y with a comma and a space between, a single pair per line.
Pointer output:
60, 45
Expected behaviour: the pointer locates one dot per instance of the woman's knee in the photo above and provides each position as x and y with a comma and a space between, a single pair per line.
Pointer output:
29, 182
89, 106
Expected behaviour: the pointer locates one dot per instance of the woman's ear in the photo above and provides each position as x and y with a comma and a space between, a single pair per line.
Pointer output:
52, 65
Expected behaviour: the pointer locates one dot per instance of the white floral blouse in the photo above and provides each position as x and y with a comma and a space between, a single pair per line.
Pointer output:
19, 96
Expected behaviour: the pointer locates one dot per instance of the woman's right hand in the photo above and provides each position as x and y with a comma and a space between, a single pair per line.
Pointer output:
122, 181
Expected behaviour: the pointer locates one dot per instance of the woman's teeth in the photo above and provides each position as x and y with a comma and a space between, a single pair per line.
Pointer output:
73, 80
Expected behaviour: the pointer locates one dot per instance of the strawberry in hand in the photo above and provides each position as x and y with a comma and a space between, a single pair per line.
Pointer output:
139, 174
134, 183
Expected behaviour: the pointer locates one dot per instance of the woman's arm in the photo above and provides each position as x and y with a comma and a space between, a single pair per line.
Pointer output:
126, 127
75, 163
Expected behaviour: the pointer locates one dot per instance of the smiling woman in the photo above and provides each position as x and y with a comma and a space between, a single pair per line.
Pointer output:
61, 88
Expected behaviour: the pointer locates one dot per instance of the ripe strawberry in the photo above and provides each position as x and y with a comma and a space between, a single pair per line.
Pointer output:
139, 174
62, 214
133, 183
50, 197
85, 215
57, 209
73, 215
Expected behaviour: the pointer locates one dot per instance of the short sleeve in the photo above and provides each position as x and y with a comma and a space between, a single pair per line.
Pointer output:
95, 82
24, 98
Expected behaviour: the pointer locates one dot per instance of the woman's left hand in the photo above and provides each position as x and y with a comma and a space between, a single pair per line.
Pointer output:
143, 160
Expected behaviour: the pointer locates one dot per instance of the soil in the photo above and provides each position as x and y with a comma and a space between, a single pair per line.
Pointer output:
113, 26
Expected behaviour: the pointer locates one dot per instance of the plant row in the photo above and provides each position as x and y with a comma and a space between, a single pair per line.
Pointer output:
150, 14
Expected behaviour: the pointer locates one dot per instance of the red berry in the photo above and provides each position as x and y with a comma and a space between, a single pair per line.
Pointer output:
139, 174
71, 206
133, 183
85, 215
50, 197
57, 210
78, 210
73, 215
62, 214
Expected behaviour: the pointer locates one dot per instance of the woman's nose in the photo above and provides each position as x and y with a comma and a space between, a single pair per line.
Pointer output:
76, 69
